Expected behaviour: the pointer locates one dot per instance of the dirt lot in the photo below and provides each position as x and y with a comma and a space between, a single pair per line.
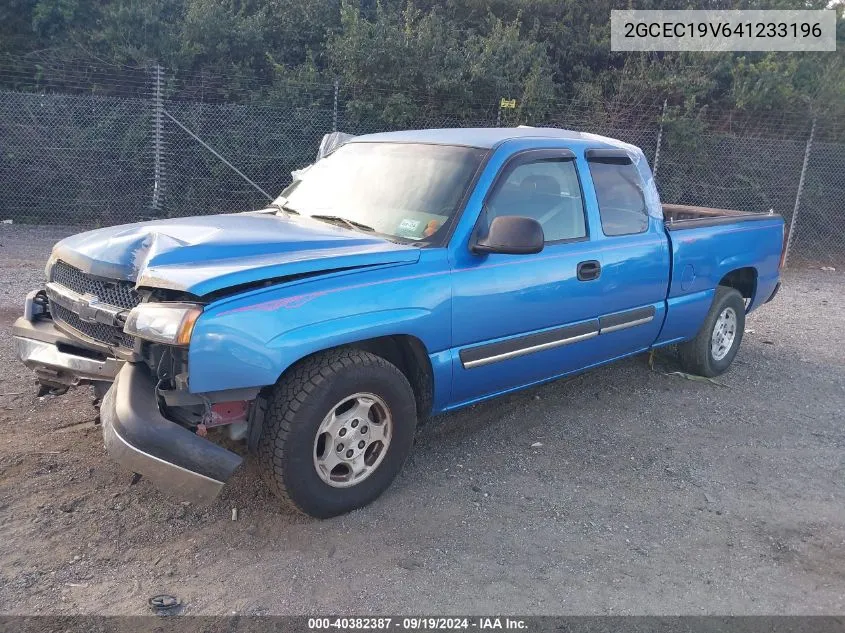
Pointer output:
650, 494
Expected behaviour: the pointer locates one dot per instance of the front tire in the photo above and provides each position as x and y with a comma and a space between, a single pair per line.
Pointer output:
338, 428
715, 346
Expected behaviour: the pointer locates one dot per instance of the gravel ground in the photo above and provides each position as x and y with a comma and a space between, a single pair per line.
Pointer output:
650, 494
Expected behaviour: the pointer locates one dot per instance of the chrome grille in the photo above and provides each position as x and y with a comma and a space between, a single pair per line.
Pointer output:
111, 336
113, 292
117, 293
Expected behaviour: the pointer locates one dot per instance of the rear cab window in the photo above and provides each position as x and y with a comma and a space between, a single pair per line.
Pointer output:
620, 195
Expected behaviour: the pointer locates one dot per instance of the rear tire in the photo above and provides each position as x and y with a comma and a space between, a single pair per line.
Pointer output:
715, 346
338, 428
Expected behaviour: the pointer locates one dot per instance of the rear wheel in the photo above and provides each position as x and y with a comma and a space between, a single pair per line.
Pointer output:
338, 428
713, 349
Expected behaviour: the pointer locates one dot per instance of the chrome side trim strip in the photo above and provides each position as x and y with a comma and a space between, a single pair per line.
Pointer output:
626, 324
528, 350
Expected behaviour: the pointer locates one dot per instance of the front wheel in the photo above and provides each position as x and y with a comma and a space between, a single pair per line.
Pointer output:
713, 349
338, 428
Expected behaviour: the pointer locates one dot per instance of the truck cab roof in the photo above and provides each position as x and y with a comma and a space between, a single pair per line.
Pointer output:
488, 138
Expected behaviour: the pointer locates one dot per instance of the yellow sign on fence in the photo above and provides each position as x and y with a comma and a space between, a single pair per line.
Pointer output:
507, 103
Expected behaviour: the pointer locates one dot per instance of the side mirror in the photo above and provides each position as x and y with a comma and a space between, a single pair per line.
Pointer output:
511, 235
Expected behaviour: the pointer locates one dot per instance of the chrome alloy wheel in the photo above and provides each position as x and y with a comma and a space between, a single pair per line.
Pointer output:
724, 333
352, 440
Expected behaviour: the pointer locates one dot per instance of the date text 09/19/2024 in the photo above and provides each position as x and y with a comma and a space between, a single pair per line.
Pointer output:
417, 623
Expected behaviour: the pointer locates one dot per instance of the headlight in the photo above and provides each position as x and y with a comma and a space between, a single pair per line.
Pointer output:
170, 323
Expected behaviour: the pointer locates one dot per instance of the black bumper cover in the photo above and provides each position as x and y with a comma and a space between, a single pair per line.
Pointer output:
137, 436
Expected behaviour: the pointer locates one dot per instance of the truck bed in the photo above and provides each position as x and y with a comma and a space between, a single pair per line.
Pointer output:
680, 216
708, 244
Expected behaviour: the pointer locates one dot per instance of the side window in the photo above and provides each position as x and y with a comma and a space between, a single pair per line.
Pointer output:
620, 196
546, 190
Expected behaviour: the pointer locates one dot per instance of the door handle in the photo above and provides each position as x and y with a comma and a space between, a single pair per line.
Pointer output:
589, 270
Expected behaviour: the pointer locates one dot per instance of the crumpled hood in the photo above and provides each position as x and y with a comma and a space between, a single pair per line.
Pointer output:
204, 254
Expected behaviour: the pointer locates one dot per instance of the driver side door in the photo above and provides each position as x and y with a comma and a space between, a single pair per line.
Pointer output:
520, 319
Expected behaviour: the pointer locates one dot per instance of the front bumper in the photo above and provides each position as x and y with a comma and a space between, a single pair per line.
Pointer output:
57, 359
141, 439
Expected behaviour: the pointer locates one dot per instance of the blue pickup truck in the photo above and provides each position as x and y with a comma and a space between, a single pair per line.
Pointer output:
405, 274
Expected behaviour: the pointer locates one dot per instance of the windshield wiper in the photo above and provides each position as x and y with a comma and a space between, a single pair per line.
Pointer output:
352, 224
283, 207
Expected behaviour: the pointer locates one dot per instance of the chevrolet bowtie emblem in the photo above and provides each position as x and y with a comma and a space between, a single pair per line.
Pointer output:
87, 308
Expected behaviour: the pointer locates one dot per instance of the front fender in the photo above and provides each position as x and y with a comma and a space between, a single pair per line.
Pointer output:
245, 360
343, 330
250, 341
291, 346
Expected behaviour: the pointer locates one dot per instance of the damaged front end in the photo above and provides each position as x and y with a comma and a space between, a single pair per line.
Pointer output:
117, 312
58, 359
132, 347
174, 457
154, 426
72, 330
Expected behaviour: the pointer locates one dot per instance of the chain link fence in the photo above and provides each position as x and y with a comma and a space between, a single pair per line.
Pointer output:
818, 229
70, 159
88, 160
